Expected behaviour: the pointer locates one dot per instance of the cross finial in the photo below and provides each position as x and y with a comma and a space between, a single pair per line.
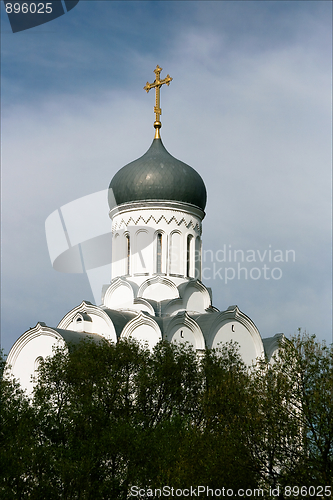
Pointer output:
157, 85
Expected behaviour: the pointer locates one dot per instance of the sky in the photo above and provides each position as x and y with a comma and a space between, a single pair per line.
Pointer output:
249, 108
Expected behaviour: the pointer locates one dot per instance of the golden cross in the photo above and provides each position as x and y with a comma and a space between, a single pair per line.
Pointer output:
157, 85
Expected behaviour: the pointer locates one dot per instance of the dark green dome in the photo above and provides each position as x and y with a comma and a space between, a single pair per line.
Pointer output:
158, 176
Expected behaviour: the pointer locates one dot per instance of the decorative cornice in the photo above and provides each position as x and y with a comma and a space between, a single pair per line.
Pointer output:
141, 319
117, 283
156, 205
233, 312
198, 285
161, 280
183, 319
195, 225
136, 301
39, 330
88, 308
272, 345
141, 301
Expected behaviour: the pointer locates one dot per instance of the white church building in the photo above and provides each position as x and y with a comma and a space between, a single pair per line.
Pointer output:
157, 207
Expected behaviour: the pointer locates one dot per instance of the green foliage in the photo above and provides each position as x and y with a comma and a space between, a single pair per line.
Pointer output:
105, 417
17, 439
309, 367
290, 432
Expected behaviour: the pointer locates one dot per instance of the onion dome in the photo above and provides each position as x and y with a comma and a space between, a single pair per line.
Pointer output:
158, 176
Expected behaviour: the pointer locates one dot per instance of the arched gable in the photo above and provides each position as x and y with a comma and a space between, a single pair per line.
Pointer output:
158, 288
272, 345
28, 351
143, 329
119, 295
34, 346
39, 330
184, 329
196, 297
233, 325
100, 324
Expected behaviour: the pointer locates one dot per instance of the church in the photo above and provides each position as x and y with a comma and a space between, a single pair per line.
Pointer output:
157, 205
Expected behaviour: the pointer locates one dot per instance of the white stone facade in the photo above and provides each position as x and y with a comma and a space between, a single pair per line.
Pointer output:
155, 293
156, 238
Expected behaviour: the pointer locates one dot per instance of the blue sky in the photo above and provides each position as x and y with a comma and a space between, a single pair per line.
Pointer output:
249, 108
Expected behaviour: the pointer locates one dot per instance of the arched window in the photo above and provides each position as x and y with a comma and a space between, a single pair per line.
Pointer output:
159, 253
175, 254
141, 257
128, 249
37, 363
117, 256
198, 258
188, 256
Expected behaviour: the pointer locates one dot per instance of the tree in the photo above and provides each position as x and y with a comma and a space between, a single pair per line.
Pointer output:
105, 417
110, 416
290, 425
85, 401
225, 458
17, 438
312, 380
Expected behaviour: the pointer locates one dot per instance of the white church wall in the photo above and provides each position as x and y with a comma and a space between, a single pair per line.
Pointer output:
196, 297
119, 295
28, 351
144, 329
158, 288
182, 335
236, 332
233, 325
101, 324
183, 329
162, 240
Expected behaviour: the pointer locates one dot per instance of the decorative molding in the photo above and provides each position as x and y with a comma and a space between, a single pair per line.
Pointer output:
39, 330
142, 301
183, 319
117, 283
140, 320
158, 279
198, 285
234, 313
272, 344
177, 206
88, 308
116, 226
181, 303
84, 317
